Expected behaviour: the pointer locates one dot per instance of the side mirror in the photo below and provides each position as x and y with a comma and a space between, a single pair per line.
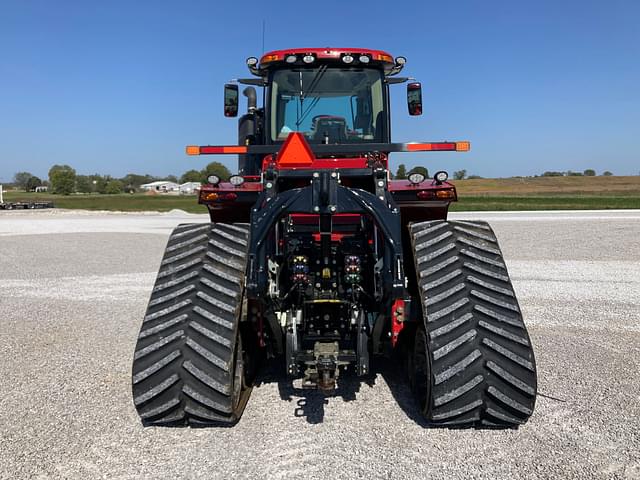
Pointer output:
230, 100
414, 98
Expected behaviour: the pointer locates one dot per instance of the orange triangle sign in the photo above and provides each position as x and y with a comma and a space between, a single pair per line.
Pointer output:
295, 152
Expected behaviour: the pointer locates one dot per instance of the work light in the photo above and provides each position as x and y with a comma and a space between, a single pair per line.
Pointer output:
441, 176
236, 180
416, 178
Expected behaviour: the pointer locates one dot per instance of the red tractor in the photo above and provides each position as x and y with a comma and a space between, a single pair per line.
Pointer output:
315, 256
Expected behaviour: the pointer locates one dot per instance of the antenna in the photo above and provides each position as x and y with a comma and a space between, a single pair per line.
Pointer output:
263, 29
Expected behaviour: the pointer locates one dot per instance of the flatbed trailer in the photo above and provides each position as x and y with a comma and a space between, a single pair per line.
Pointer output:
25, 205
22, 205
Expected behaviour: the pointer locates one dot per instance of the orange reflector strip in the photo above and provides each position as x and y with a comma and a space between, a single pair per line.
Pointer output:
426, 147
212, 150
442, 146
193, 150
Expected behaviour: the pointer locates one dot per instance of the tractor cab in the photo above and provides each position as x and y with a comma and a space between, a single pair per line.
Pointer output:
330, 96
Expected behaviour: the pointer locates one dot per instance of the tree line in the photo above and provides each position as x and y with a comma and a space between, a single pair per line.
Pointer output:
402, 173
589, 172
64, 180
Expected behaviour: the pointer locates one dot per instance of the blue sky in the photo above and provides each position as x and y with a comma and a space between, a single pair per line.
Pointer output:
118, 86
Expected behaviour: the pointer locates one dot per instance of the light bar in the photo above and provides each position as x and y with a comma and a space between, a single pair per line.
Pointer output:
338, 149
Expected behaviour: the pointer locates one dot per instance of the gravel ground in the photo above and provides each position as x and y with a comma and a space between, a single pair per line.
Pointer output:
74, 287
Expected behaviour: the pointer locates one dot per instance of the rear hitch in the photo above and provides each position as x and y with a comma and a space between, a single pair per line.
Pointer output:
323, 372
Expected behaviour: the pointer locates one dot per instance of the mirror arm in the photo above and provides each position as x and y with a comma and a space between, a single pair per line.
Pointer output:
395, 80
257, 82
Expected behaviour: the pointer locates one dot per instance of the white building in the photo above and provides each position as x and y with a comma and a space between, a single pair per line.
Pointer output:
161, 186
189, 188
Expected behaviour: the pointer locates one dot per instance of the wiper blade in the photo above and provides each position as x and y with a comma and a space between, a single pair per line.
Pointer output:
303, 95
314, 81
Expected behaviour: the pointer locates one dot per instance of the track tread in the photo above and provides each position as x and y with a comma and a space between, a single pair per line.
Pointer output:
482, 367
444, 311
183, 255
450, 326
175, 281
190, 241
156, 366
452, 345
166, 311
183, 369
162, 326
173, 270
439, 266
171, 296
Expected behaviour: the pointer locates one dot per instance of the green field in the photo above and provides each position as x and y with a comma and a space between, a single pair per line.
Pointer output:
540, 193
124, 202
548, 193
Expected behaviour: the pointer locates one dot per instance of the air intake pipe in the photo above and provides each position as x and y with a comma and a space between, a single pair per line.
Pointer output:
252, 101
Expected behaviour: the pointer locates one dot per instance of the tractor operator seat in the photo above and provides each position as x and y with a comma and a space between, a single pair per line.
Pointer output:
331, 127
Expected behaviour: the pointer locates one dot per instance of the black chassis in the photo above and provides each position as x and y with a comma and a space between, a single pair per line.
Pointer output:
325, 196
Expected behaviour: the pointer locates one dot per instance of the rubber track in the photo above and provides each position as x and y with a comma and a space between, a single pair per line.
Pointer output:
482, 364
183, 363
